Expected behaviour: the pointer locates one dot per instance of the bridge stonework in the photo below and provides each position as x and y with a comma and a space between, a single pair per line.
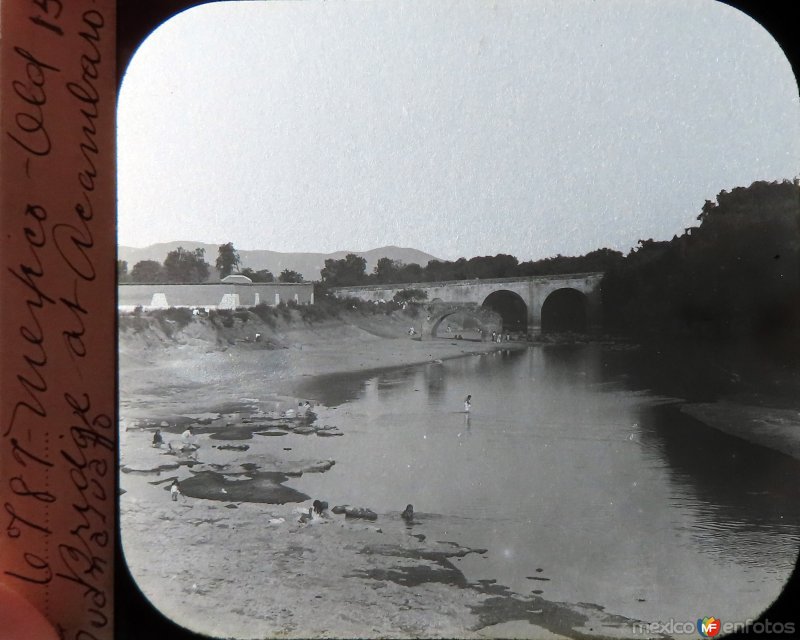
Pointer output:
533, 290
488, 320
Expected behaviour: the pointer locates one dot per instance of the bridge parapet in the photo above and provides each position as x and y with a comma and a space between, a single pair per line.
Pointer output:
554, 278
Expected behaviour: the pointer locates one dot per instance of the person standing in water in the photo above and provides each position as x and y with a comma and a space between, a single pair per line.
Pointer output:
467, 404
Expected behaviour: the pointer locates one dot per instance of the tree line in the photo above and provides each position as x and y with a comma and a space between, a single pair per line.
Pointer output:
183, 266
352, 269
736, 274
186, 266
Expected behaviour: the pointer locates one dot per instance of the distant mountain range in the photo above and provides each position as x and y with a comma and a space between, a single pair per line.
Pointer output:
309, 264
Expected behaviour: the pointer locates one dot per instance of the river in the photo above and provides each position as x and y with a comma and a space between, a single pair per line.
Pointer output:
581, 485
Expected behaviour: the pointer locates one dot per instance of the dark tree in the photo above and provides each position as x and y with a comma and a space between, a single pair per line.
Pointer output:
122, 270
410, 273
348, 272
499, 266
387, 271
147, 271
186, 266
735, 275
287, 275
228, 260
262, 275
597, 260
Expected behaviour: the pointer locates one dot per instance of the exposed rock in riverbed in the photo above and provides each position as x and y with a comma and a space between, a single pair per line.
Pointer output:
354, 512
232, 435
298, 467
149, 468
304, 430
262, 486
359, 512
328, 433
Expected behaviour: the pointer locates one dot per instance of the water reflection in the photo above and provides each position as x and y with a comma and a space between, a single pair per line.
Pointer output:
388, 380
435, 381
572, 364
334, 389
734, 491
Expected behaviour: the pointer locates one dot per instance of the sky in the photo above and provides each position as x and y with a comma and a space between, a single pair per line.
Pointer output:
463, 128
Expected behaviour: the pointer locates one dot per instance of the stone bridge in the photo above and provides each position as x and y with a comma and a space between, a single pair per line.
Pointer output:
488, 320
536, 304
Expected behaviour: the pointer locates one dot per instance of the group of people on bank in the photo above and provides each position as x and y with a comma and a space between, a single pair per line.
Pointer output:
498, 337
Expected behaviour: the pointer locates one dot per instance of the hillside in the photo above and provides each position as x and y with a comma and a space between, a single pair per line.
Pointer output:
309, 264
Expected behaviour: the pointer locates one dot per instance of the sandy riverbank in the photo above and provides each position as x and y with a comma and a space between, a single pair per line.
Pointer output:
195, 370
771, 427
233, 565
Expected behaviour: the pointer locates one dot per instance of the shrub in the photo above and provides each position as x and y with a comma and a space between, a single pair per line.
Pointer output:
328, 305
390, 307
172, 319
182, 316
135, 323
284, 310
225, 317
410, 295
413, 309
313, 313
265, 313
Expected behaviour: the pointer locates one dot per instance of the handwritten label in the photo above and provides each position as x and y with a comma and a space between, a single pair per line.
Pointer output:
58, 430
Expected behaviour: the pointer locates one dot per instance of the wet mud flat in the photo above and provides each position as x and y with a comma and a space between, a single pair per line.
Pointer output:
230, 557
210, 462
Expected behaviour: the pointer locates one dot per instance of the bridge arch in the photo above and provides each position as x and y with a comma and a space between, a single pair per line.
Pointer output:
565, 309
512, 309
486, 319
